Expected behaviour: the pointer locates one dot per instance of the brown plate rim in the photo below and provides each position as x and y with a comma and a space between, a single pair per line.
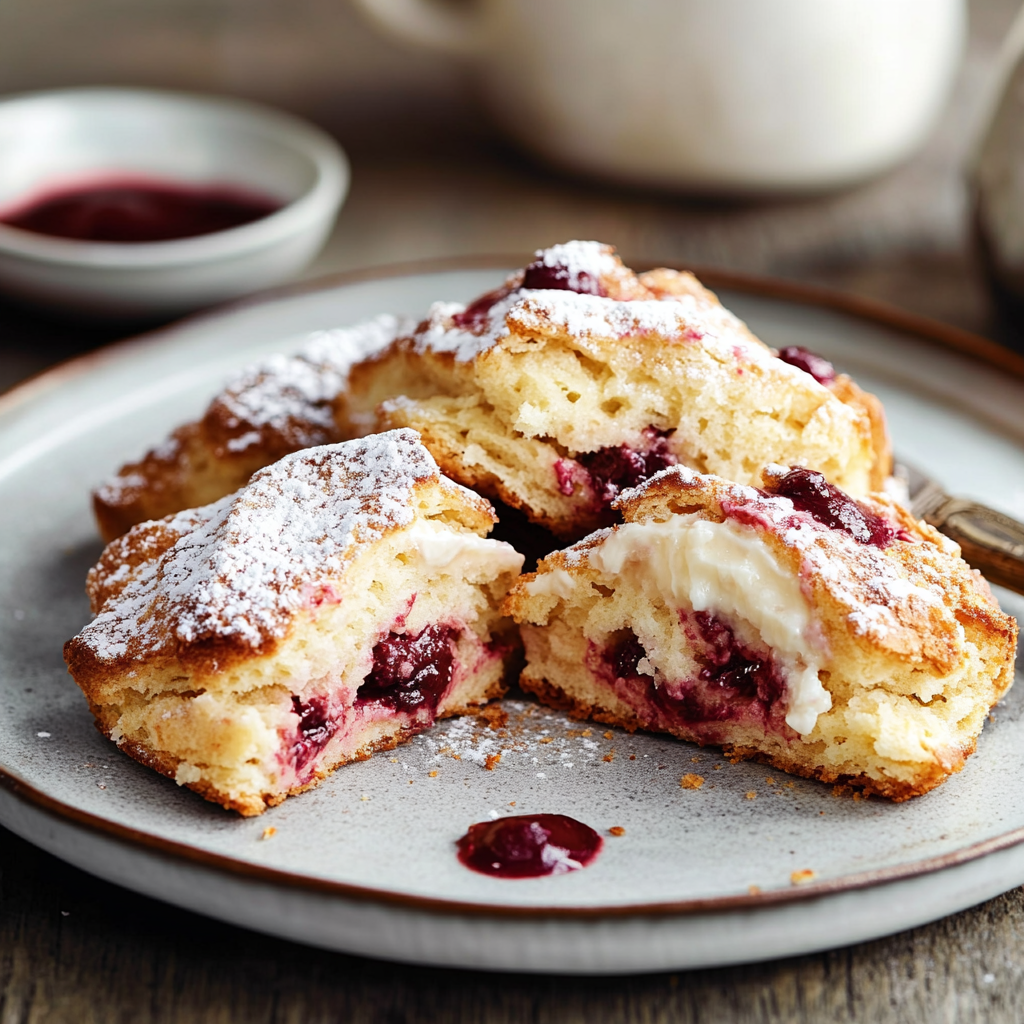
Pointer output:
964, 342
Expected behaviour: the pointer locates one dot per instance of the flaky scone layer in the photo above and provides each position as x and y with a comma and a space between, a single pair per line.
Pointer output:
250, 647
578, 378
726, 615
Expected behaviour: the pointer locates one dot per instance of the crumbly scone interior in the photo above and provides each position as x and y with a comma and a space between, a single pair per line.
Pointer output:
906, 704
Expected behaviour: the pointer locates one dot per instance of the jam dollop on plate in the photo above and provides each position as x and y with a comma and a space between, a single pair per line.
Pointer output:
529, 846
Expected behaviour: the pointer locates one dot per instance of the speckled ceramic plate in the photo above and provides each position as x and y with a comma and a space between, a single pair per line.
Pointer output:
366, 863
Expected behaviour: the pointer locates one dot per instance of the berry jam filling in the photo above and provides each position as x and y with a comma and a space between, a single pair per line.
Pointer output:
803, 359
316, 727
476, 317
612, 470
410, 672
733, 683
625, 657
730, 666
810, 492
529, 846
539, 275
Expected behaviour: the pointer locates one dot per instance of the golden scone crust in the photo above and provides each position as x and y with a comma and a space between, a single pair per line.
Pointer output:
230, 643
903, 636
266, 411
579, 378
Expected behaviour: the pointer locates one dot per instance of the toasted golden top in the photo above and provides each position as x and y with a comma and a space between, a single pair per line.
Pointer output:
230, 576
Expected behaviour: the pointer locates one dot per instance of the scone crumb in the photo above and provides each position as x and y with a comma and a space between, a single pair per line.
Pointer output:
691, 781
363, 797
770, 781
751, 795
632, 757
800, 877
511, 803
587, 732
433, 774
616, 830
609, 735
610, 756
546, 739
718, 767
754, 890
268, 832
495, 717
492, 761
695, 760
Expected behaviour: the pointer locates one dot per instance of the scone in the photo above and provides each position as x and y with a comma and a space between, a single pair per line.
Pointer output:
831, 638
267, 411
336, 605
579, 378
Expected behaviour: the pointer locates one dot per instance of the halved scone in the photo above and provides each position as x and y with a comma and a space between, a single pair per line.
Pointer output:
832, 638
340, 602
579, 378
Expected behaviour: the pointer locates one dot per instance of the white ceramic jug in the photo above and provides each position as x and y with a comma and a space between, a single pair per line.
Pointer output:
707, 95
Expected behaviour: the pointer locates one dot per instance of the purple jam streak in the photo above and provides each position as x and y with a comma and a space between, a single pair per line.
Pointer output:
529, 846
410, 672
625, 657
613, 470
316, 727
539, 275
803, 359
734, 683
123, 210
810, 492
732, 666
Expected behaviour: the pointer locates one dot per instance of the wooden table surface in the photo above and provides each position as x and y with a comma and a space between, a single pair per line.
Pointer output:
76, 949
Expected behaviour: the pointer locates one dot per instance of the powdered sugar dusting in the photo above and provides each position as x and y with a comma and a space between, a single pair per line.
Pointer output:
577, 310
293, 394
580, 260
682, 318
238, 569
518, 732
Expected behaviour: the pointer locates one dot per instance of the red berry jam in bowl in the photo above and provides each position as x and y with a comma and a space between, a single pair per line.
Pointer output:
127, 210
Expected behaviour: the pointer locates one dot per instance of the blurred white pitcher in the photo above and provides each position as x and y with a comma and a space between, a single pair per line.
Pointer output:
708, 95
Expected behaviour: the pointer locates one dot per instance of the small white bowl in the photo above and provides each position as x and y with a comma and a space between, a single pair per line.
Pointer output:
50, 140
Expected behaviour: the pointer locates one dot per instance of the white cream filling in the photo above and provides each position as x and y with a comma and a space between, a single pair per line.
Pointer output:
476, 558
726, 569
556, 583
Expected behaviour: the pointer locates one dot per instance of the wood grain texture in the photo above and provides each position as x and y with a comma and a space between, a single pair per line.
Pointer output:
76, 949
